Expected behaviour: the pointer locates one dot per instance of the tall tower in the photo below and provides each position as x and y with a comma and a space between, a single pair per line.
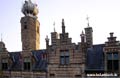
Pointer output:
89, 35
30, 35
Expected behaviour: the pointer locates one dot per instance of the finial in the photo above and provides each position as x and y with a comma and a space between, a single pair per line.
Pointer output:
47, 39
54, 27
111, 34
82, 36
82, 32
88, 20
63, 24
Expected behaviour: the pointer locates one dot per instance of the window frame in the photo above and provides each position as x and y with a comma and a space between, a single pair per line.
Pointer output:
114, 58
64, 57
4, 63
27, 64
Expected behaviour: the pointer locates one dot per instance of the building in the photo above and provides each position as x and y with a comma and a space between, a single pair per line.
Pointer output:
62, 58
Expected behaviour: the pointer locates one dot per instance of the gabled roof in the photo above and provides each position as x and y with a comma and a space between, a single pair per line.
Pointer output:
95, 58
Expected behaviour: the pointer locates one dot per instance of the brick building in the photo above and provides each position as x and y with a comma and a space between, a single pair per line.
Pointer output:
62, 58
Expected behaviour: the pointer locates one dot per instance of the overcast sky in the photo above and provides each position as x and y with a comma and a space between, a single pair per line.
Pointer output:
104, 18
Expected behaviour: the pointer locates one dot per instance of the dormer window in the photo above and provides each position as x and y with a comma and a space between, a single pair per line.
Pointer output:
27, 62
4, 64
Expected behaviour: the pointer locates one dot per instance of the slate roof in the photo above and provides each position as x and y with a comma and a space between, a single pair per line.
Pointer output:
39, 65
41, 61
16, 63
95, 58
94, 62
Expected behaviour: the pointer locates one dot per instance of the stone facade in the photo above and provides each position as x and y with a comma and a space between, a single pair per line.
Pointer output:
112, 55
65, 59
30, 34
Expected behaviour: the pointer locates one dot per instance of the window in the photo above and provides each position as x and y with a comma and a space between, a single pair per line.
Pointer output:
26, 63
52, 75
115, 56
4, 64
109, 65
112, 61
116, 65
77, 76
109, 56
62, 60
64, 57
25, 26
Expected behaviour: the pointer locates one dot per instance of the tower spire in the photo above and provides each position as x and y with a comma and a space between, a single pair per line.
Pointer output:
63, 26
88, 20
82, 32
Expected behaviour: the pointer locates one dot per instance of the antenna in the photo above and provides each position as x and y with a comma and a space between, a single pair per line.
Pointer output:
88, 20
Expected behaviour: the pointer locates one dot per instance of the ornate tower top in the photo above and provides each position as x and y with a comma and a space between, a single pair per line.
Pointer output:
29, 8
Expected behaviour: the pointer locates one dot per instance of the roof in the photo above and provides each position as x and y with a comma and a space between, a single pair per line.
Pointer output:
16, 63
40, 63
95, 58
41, 60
